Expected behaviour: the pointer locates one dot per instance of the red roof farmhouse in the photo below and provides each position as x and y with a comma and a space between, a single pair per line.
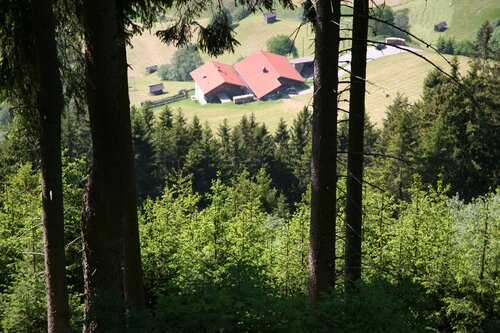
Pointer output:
215, 81
262, 74
265, 73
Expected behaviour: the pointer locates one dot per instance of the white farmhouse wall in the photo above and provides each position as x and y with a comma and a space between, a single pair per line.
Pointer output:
198, 94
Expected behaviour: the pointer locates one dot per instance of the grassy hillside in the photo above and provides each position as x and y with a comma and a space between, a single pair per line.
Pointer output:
139, 88
403, 73
464, 17
251, 32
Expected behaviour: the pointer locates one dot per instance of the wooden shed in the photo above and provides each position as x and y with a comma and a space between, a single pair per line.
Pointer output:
441, 26
151, 69
270, 17
156, 89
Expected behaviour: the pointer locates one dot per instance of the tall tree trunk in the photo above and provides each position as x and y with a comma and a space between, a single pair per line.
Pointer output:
106, 193
353, 220
50, 105
324, 152
132, 267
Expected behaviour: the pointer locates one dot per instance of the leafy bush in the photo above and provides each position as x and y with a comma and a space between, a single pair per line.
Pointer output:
386, 16
402, 21
495, 40
185, 60
445, 45
464, 47
450, 46
281, 44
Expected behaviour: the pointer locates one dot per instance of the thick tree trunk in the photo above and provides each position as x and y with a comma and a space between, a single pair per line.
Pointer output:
354, 203
50, 105
106, 193
324, 152
132, 267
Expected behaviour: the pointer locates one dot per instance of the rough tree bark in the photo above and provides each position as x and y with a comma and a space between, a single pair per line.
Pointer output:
133, 283
324, 153
106, 191
354, 203
50, 103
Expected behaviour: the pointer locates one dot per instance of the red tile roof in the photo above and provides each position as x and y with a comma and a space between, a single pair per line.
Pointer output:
261, 71
213, 74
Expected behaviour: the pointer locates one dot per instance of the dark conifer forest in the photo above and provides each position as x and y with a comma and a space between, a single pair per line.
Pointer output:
120, 218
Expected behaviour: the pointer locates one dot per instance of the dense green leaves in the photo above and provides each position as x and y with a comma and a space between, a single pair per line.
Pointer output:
22, 284
185, 60
387, 22
281, 44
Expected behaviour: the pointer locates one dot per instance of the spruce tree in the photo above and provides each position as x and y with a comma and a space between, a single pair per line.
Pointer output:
203, 161
142, 132
163, 147
281, 168
401, 143
300, 153
228, 163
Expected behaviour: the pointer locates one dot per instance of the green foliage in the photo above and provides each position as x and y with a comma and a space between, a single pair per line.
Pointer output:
475, 302
402, 21
239, 269
142, 123
19, 145
240, 13
495, 42
22, 284
383, 17
291, 252
281, 44
446, 45
371, 140
20, 230
383, 13
76, 138
243, 308
253, 144
229, 234
483, 48
185, 60
300, 153
463, 47
23, 305
202, 159
450, 46
223, 17
170, 145
447, 135
458, 129
281, 169
443, 246
112, 306
400, 144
